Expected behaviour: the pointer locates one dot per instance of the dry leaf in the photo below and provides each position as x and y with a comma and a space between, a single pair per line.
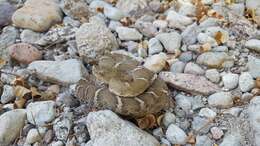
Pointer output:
256, 91
250, 14
47, 95
205, 48
219, 37
149, 121
19, 103
22, 92
159, 120
191, 139
35, 93
19, 81
126, 21
100, 9
201, 10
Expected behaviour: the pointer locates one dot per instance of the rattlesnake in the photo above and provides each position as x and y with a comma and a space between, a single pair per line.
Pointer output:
123, 85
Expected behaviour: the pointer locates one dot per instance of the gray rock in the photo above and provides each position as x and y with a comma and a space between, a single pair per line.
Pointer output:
135, 8
203, 140
220, 49
189, 83
6, 11
184, 102
81, 133
114, 24
201, 124
246, 82
57, 143
154, 46
254, 115
203, 38
253, 44
192, 68
212, 31
113, 13
216, 132
220, 100
68, 71
8, 94
177, 20
254, 66
128, 34
208, 113
171, 41
158, 133
107, 129
62, 126
189, 35
213, 59
68, 21
11, 124
29, 36
232, 139
168, 118
35, 135
176, 135
177, 67
230, 80
146, 27
7, 38
213, 75
156, 62
37, 15
95, 39
40, 113
186, 56
76, 9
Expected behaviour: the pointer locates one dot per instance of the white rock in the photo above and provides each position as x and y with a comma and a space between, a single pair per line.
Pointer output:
186, 8
213, 75
184, 102
156, 62
68, 71
177, 20
190, 33
213, 59
176, 135
41, 113
177, 67
29, 36
246, 82
107, 129
193, 68
113, 13
99, 4
162, 24
212, 31
230, 80
113, 25
253, 44
57, 143
171, 41
154, 46
204, 38
168, 118
11, 124
128, 34
254, 66
232, 139
254, 115
220, 100
207, 2
35, 135
208, 113
216, 132
8, 94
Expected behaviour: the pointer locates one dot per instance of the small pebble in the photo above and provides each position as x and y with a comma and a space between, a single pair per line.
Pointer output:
246, 82
176, 135
208, 113
220, 100
128, 34
213, 75
230, 80
216, 132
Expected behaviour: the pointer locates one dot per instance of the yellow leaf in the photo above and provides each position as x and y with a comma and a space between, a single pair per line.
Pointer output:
22, 92
35, 93
19, 103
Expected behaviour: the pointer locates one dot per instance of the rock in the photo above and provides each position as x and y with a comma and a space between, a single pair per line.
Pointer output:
254, 115
29, 36
8, 94
213, 75
192, 68
76, 9
113, 13
190, 33
67, 71
41, 112
186, 8
68, 21
177, 67
161, 24
35, 135
201, 125
205, 39
231, 139
81, 133
254, 5
6, 11
154, 46
168, 118
114, 24
215, 30
246, 82
158, 133
146, 27
208, 113
189, 83
254, 66
184, 102
186, 56
230, 80
62, 126
213, 59
37, 15
24, 53
135, 8
57, 143
176, 135
128, 34
107, 129
216, 133
7, 38
207, 2
203, 140
220, 100
177, 20
11, 124
171, 41
156, 62
253, 44
95, 38
67, 99
220, 49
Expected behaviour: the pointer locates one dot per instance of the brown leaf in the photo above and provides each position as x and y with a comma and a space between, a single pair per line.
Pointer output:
19, 81
2, 62
22, 92
159, 119
126, 21
47, 95
19, 103
201, 10
100, 9
219, 37
205, 48
149, 121
35, 93
191, 139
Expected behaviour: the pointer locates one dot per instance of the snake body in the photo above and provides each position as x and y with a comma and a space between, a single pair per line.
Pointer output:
122, 84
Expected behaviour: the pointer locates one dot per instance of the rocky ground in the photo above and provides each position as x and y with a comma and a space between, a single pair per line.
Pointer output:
207, 51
